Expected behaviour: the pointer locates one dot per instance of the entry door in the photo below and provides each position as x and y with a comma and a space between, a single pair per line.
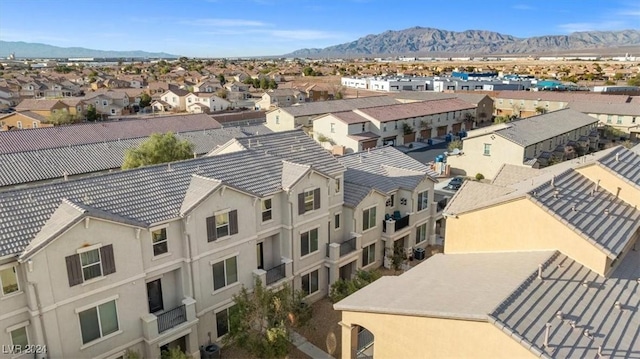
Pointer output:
260, 255
154, 293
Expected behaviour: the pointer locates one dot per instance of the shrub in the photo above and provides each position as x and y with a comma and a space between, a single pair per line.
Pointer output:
479, 176
454, 144
343, 288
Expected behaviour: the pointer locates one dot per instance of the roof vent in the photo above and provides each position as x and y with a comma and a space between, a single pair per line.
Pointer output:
169, 166
588, 334
606, 211
573, 324
556, 193
617, 305
597, 185
560, 315
573, 208
547, 331
599, 351
553, 180
540, 271
585, 283
617, 157
66, 175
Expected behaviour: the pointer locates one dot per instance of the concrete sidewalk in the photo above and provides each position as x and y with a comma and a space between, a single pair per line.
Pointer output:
311, 350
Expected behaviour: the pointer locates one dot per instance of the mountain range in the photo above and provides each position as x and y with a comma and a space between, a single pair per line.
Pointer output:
36, 50
424, 41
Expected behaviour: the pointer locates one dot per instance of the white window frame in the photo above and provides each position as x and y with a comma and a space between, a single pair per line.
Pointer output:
317, 229
309, 193
215, 315
34, 124
369, 218
166, 241
84, 250
15, 271
333, 127
486, 150
96, 305
228, 224
336, 184
12, 329
19, 125
309, 292
227, 284
269, 210
422, 230
423, 194
339, 222
370, 250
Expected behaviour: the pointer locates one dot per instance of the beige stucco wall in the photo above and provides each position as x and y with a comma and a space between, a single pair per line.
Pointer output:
611, 183
473, 160
519, 225
279, 120
397, 336
622, 122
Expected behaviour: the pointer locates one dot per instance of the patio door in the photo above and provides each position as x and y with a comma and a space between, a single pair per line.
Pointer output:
154, 294
260, 255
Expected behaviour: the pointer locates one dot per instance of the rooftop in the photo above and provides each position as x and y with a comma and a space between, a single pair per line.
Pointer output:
563, 96
416, 109
322, 107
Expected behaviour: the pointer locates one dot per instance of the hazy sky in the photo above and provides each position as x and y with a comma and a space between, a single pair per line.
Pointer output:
226, 28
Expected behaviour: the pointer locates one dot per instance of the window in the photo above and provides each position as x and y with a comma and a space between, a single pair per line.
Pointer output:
609, 117
619, 120
337, 185
633, 120
368, 255
421, 233
225, 273
423, 200
277, 119
368, 218
395, 125
310, 282
19, 339
336, 221
99, 321
159, 240
19, 124
266, 210
308, 242
9, 280
363, 127
104, 103
222, 225
384, 128
223, 320
487, 149
308, 201
333, 128
90, 263
34, 124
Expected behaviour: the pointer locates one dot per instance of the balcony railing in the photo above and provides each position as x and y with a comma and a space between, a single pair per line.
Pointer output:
398, 224
347, 246
276, 273
442, 204
172, 318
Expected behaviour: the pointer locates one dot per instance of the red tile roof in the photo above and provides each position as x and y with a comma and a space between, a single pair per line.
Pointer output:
416, 109
562, 96
349, 117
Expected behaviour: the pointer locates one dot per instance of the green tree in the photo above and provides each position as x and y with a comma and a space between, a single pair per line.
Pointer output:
255, 83
454, 144
541, 110
159, 148
62, 118
501, 119
222, 79
273, 84
634, 81
308, 71
145, 100
92, 113
264, 83
261, 320
344, 288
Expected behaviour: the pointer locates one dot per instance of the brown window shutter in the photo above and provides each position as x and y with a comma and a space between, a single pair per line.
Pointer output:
233, 222
301, 203
74, 270
108, 263
211, 229
316, 198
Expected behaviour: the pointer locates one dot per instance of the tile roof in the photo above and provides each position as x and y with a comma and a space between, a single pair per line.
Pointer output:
415, 109
535, 129
628, 109
582, 297
295, 146
291, 173
598, 216
624, 164
385, 169
36, 104
475, 195
349, 117
60, 136
354, 193
510, 174
564, 96
322, 107
144, 195
364, 136
38, 165
452, 286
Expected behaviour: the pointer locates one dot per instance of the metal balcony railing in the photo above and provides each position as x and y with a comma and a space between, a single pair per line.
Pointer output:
400, 223
347, 246
276, 273
172, 318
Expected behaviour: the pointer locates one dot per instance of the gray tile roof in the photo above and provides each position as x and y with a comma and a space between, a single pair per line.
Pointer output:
294, 146
542, 127
60, 136
599, 217
509, 174
582, 296
45, 164
452, 286
385, 169
631, 109
291, 173
623, 163
322, 107
145, 195
354, 193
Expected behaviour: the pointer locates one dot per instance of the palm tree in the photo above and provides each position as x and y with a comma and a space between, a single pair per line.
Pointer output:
469, 119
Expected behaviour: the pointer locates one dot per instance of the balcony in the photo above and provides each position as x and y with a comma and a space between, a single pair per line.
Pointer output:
154, 326
335, 251
276, 273
172, 318
392, 225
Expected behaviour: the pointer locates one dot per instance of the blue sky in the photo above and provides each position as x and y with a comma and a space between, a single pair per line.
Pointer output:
228, 28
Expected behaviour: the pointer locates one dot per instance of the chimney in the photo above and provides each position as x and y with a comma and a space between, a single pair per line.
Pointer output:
546, 335
540, 271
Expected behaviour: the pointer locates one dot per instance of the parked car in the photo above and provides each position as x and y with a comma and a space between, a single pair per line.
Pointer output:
455, 183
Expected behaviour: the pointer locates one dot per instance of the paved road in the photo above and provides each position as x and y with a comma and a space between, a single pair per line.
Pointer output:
428, 154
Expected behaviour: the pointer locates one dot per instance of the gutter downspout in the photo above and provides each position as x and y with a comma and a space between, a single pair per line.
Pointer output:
293, 262
40, 319
187, 238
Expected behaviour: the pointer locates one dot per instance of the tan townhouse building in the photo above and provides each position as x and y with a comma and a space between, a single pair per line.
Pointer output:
150, 258
535, 142
530, 103
280, 98
540, 263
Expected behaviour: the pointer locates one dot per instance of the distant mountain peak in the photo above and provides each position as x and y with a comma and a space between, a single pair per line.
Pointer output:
23, 49
423, 41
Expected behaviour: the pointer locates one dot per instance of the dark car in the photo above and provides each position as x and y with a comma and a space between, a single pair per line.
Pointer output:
455, 183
